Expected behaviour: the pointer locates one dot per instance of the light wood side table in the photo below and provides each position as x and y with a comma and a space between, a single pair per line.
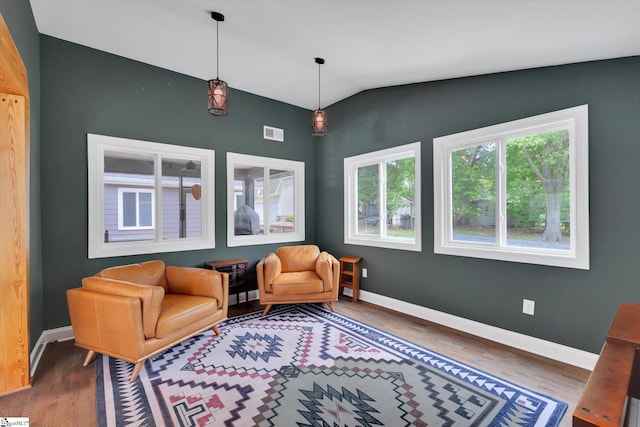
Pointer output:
350, 275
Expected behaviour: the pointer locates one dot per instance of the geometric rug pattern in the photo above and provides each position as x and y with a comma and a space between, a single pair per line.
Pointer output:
302, 365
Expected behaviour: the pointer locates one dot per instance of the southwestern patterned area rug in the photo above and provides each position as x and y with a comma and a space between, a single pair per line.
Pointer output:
302, 365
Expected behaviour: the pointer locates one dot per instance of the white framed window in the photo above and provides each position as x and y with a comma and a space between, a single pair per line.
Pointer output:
382, 198
148, 197
136, 209
516, 191
265, 200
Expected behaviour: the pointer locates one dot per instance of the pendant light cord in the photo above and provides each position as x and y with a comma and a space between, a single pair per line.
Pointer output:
217, 50
319, 86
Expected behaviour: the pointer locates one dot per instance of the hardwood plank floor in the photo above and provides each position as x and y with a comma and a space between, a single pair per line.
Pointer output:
63, 392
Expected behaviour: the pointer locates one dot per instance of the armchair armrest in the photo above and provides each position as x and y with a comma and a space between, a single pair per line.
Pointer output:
268, 269
198, 282
150, 298
107, 323
326, 265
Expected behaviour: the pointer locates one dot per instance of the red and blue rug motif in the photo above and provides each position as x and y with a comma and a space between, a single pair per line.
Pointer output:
302, 365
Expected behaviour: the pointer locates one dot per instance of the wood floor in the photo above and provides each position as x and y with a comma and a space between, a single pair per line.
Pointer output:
63, 392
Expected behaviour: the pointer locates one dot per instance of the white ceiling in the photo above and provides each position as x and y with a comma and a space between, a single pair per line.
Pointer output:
267, 47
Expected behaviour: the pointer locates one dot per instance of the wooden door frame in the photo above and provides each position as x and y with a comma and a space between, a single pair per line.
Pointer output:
14, 217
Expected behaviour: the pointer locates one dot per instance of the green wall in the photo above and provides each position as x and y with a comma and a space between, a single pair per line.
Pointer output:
84, 90
19, 18
573, 307
89, 91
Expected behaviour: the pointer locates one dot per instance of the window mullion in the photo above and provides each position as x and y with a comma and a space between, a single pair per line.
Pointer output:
382, 191
157, 191
353, 206
266, 201
501, 193
137, 208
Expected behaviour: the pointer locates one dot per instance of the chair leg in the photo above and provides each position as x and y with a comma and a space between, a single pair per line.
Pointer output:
216, 330
136, 370
331, 306
266, 310
90, 355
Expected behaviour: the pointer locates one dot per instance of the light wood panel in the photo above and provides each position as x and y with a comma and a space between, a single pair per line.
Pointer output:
14, 217
13, 73
14, 292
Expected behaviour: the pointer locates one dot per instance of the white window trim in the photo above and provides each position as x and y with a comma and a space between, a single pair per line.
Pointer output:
298, 169
351, 165
97, 145
576, 119
137, 191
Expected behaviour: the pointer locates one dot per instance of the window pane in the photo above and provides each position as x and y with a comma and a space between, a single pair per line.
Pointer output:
538, 191
129, 210
125, 174
118, 166
401, 197
181, 192
248, 197
265, 200
473, 176
281, 201
382, 198
542, 190
145, 210
368, 196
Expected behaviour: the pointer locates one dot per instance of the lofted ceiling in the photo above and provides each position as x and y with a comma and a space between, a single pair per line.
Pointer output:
267, 47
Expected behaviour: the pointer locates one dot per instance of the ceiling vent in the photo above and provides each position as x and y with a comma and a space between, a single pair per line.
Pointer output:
273, 134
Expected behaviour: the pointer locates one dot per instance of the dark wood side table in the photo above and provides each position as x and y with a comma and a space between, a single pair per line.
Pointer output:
350, 275
238, 270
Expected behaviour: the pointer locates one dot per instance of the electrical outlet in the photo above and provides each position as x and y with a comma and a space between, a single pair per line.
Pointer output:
364, 273
528, 306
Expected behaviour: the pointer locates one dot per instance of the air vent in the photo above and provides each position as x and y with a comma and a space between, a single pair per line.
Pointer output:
273, 134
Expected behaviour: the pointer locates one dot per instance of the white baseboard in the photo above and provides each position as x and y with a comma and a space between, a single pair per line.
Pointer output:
48, 336
548, 349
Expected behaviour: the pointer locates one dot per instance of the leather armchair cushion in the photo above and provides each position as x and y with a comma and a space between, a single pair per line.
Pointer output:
151, 298
196, 282
180, 311
298, 258
150, 273
296, 283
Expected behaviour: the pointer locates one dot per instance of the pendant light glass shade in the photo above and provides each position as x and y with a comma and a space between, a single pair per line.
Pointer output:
319, 122
218, 97
319, 125
217, 88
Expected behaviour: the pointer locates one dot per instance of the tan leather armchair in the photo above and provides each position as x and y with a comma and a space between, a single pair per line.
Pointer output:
136, 311
296, 274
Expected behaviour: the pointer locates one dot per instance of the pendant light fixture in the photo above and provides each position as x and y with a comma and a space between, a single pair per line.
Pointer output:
217, 87
319, 123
